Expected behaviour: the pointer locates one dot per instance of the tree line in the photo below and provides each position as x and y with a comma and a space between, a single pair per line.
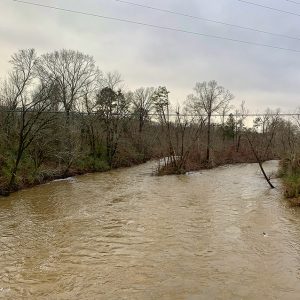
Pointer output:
60, 115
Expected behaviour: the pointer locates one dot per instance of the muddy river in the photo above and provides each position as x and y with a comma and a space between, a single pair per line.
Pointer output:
216, 234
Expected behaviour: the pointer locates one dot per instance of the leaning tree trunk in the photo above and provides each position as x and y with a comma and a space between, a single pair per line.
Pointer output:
260, 163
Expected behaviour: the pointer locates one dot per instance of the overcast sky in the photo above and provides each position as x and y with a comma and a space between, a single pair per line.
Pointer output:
263, 77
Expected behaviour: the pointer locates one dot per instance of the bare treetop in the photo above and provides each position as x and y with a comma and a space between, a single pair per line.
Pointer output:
75, 74
211, 97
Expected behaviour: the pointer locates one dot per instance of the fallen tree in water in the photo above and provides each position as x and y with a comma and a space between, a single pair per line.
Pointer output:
267, 124
258, 160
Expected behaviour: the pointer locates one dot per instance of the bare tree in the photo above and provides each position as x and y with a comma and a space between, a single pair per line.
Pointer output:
73, 73
297, 117
89, 122
29, 102
240, 117
143, 105
182, 125
264, 138
225, 109
263, 121
162, 107
113, 108
208, 99
113, 80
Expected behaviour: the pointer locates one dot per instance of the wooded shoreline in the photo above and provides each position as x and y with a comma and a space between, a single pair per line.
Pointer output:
61, 116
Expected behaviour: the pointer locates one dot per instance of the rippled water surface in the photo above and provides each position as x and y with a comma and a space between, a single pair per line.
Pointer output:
217, 234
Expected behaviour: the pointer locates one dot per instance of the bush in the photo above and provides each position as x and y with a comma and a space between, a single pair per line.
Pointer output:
290, 174
90, 163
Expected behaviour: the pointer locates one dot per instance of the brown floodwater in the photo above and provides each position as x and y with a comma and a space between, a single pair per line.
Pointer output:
216, 234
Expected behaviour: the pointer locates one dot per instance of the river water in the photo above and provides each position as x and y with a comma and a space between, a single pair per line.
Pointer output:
216, 234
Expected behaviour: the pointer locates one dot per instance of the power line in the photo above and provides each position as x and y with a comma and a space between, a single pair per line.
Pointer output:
270, 8
2, 110
291, 1
207, 20
156, 26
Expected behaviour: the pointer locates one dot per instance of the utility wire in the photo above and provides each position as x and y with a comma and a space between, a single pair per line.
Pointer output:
156, 26
270, 8
291, 1
207, 20
3, 110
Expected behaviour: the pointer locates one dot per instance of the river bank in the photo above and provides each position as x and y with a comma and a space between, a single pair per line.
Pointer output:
289, 175
196, 161
289, 171
48, 174
46, 179
194, 164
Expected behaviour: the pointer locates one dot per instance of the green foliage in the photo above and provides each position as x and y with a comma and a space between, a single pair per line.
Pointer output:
230, 126
290, 174
92, 163
292, 185
160, 98
6, 163
128, 155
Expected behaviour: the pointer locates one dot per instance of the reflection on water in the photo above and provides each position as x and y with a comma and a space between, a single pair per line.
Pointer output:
217, 234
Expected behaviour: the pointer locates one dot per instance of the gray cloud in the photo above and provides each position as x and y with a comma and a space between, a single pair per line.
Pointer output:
149, 57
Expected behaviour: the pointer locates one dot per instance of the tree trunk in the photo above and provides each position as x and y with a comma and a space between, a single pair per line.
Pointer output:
208, 139
260, 163
14, 170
